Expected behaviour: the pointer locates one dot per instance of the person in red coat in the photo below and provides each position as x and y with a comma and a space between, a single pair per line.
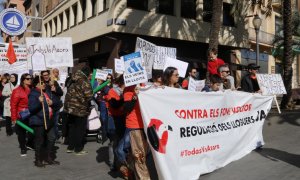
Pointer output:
213, 62
18, 103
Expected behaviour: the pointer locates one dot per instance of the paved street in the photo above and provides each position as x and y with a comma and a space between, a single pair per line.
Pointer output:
279, 160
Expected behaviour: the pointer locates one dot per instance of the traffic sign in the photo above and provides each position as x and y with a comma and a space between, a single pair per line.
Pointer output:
13, 22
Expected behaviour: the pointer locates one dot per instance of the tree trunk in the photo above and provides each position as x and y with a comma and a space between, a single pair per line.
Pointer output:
215, 24
287, 52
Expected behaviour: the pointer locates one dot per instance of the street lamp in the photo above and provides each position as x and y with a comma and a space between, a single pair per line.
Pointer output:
256, 23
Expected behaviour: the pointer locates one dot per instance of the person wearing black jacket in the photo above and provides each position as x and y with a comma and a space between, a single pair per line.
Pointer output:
56, 93
38, 118
249, 82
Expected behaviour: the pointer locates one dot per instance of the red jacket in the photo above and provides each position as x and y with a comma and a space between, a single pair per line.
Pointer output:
18, 101
213, 65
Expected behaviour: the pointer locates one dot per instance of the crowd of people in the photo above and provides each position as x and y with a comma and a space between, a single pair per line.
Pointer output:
41, 103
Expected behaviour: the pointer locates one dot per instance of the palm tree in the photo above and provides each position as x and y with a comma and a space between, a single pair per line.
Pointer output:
287, 52
215, 24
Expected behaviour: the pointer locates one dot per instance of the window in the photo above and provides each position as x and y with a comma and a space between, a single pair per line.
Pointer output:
50, 28
12, 5
36, 11
60, 16
207, 10
228, 19
188, 9
166, 7
278, 25
55, 25
106, 4
68, 18
83, 6
140, 4
74, 8
94, 7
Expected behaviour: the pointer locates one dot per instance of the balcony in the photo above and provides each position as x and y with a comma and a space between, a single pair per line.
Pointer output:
263, 37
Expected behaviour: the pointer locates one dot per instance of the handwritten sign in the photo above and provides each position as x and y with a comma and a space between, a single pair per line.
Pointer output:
180, 65
119, 66
148, 50
134, 73
195, 85
38, 61
271, 84
57, 51
162, 53
101, 74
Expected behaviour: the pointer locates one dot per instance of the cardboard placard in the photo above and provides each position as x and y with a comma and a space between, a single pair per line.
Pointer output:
271, 84
180, 65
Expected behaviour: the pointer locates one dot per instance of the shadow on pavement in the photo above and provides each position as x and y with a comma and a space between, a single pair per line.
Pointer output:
278, 155
290, 117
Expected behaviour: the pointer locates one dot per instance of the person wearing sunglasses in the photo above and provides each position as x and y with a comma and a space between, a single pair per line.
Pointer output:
249, 82
192, 74
19, 103
171, 77
228, 81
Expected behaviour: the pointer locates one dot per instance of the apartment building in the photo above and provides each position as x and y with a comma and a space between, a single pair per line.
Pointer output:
100, 28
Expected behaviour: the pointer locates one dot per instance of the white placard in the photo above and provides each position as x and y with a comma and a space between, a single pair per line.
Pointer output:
109, 71
57, 51
162, 53
196, 85
38, 61
148, 50
271, 84
21, 61
207, 133
119, 66
134, 73
101, 74
180, 65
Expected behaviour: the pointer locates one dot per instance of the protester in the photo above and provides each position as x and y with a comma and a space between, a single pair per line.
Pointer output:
171, 77
213, 61
249, 82
41, 114
116, 114
77, 105
2, 98
135, 126
215, 83
19, 103
7, 91
228, 81
157, 77
192, 74
55, 74
55, 95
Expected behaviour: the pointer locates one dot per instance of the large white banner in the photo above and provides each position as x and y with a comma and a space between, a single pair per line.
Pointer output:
58, 52
20, 64
201, 132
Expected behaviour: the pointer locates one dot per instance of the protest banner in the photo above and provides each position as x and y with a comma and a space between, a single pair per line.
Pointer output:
180, 65
207, 133
134, 73
20, 64
119, 66
162, 53
148, 50
271, 84
57, 51
196, 85
38, 61
101, 74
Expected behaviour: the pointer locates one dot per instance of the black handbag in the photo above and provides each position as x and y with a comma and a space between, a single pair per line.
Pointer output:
25, 114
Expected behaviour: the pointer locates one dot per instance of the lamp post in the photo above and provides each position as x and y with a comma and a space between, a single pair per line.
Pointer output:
256, 23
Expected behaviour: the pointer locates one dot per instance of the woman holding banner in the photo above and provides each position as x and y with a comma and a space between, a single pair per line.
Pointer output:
19, 103
171, 77
7, 90
41, 119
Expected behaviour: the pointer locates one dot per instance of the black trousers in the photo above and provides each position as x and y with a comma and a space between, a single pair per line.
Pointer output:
22, 135
40, 136
77, 132
9, 130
